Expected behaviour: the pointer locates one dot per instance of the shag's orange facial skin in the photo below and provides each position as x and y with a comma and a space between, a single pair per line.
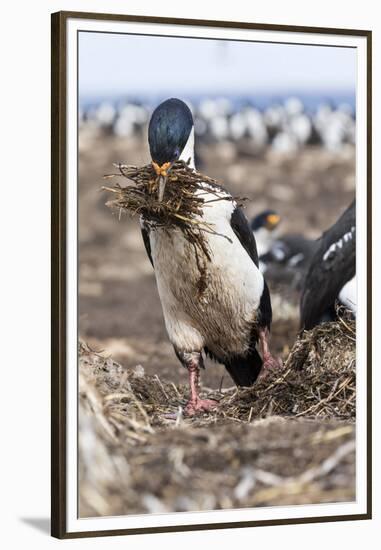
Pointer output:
161, 170
272, 221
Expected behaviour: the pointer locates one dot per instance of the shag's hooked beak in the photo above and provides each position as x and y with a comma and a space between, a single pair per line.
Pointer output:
162, 184
162, 172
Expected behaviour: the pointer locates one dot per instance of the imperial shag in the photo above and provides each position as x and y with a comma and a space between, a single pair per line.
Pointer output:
331, 275
234, 314
284, 258
265, 227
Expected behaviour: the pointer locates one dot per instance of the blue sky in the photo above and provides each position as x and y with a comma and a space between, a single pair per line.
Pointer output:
111, 64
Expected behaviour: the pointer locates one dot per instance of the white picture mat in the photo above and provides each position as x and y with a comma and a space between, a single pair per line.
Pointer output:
219, 516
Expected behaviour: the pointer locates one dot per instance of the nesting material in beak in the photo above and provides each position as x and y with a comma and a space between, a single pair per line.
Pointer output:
162, 172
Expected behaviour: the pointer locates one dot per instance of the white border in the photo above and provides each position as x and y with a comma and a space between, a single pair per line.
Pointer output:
220, 516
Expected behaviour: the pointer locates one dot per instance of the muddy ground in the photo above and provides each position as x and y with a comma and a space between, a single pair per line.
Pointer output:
120, 313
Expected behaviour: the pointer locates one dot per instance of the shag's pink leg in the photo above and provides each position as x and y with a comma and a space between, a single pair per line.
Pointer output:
196, 405
269, 362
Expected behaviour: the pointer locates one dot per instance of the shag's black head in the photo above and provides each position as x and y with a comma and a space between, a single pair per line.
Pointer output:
169, 128
268, 219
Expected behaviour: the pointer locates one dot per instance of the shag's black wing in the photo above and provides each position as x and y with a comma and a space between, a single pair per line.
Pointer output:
244, 368
241, 228
145, 234
332, 266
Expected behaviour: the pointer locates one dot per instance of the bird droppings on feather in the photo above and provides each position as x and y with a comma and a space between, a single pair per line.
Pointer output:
236, 456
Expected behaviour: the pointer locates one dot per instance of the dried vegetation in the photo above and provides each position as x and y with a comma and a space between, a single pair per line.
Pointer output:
288, 440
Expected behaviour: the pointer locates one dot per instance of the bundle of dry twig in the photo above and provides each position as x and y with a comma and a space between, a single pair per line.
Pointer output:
182, 204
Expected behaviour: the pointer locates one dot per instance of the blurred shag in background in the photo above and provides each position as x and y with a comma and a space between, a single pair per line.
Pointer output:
284, 258
331, 276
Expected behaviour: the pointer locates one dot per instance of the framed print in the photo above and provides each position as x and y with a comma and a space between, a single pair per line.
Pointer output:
211, 298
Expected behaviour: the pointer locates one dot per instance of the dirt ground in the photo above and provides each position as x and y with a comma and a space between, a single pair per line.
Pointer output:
120, 315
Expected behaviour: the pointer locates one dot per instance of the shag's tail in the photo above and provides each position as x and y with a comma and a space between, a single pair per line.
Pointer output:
245, 369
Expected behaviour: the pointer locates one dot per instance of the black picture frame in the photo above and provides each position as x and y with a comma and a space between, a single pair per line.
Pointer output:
58, 270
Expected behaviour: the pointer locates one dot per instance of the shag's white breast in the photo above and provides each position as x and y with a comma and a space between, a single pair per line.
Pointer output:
348, 295
219, 316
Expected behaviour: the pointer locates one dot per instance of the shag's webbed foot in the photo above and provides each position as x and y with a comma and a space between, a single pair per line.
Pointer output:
193, 362
198, 406
270, 363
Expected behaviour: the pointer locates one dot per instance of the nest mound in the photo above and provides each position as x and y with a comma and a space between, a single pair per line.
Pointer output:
133, 459
318, 380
